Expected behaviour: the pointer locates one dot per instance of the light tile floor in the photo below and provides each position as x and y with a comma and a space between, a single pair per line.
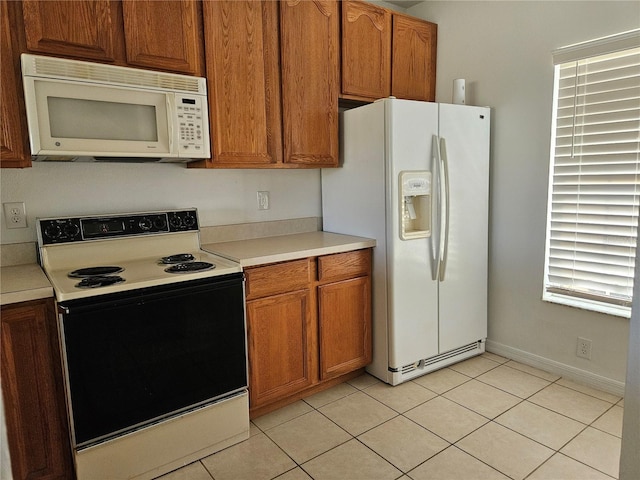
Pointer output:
485, 418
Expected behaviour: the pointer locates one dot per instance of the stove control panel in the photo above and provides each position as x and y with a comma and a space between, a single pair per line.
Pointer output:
79, 229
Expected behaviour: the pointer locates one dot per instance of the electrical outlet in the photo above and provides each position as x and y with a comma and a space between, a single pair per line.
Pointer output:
263, 201
584, 348
15, 215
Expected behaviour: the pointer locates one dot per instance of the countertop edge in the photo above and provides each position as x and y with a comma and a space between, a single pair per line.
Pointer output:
250, 253
298, 254
11, 298
23, 283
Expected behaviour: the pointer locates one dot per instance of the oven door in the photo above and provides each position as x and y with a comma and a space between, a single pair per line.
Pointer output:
136, 357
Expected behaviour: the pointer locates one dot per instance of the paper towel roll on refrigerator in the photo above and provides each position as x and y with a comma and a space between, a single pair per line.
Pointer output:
459, 92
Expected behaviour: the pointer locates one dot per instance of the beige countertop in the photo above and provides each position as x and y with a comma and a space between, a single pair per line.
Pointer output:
260, 251
21, 283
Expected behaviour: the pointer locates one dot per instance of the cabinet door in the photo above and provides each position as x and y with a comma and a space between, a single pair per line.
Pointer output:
413, 70
366, 51
32, 390
90, 29
281, 347
309, 32
345, 326
242, 63
164, 35
14, 142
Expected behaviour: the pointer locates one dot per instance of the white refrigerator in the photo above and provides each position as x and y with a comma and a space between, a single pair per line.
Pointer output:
415, 176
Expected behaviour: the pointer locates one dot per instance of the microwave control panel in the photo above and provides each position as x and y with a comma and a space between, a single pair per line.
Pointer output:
192, 124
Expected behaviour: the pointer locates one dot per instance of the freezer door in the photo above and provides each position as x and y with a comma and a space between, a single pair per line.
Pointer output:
413, 294
464, 137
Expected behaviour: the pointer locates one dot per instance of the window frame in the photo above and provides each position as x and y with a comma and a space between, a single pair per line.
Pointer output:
573, 53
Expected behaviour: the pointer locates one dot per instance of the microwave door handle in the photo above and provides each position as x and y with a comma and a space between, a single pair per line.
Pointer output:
170, 100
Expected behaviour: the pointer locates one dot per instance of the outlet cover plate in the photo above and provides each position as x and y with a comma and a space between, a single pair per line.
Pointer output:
15, 214
263, 200
584, 348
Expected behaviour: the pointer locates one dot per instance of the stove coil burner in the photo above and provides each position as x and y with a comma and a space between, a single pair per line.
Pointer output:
95, 271
190, 267
99, 281
178, 258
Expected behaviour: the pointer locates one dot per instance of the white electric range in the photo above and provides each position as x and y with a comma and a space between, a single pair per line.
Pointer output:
153, 341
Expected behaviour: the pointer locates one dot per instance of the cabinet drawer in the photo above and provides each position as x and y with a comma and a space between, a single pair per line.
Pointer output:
344, 265
277, 278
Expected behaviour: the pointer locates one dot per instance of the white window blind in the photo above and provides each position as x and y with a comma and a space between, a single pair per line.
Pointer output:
595, 177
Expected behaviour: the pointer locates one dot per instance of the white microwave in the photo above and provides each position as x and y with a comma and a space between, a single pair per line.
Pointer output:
90, 111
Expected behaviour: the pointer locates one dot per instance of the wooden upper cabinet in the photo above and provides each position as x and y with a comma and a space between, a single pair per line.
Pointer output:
413, 73
273, 76
310, 43
164, 34
90, 30
243, 72
14, 142
386, 53
366, 51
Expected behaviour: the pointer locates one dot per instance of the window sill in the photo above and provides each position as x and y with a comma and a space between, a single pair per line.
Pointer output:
584, 304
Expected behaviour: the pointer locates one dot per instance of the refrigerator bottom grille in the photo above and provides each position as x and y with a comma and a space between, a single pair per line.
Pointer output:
441, 358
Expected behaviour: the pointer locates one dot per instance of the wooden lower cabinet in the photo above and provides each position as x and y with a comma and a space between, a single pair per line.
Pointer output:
345, 326
308, 326
33, 393
280, 346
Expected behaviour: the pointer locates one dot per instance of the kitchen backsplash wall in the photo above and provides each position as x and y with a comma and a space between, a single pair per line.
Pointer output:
223, 197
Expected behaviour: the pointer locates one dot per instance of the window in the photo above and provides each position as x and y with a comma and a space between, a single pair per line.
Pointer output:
594, 190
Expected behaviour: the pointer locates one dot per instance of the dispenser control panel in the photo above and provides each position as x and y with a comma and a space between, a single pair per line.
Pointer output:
416, 183
415, 204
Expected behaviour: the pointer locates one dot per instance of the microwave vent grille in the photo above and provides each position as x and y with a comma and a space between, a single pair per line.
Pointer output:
95, 72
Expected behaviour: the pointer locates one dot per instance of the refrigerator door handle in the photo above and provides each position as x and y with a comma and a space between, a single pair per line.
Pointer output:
444, 233
436, 227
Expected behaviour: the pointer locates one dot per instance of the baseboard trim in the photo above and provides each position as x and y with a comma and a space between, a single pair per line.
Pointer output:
614, 387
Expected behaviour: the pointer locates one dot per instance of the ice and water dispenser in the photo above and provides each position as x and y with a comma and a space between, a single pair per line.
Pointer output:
415, 204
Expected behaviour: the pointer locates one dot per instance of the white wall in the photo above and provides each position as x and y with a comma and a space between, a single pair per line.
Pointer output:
629, 461
222, 196
503, 50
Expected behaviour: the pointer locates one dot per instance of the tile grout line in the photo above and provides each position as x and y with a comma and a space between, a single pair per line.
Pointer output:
450, 444
555, 451
522, 400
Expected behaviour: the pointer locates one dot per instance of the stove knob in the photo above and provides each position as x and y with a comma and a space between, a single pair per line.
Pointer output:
145, 224
175, 221
71, 230
52, 231
160, 223
189, 220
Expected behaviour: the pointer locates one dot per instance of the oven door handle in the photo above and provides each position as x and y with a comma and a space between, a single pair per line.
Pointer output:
76, 308
150, 294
